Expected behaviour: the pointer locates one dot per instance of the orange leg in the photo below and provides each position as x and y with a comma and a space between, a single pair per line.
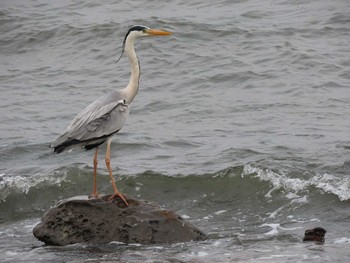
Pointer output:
94, 193
108, 164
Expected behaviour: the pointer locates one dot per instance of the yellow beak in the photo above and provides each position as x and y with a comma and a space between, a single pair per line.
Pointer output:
156, 32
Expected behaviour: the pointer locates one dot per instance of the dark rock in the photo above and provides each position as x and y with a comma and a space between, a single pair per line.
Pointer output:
102, 221
317, 234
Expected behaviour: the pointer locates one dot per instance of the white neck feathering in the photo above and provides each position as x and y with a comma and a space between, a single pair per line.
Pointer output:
131, 89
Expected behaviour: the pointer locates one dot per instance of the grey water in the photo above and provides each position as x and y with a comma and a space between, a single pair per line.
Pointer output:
241, 124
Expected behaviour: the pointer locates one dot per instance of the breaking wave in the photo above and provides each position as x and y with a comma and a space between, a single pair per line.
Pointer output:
20, 195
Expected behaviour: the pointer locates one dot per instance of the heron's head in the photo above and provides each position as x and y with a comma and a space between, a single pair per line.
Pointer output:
143, 31
140, 31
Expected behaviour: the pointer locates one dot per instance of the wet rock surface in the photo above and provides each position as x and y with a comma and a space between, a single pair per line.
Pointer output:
316, 234
101, 221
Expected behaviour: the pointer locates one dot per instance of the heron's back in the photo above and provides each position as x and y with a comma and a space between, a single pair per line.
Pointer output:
94, 124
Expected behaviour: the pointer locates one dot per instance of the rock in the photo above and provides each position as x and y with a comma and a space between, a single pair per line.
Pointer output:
317, 234
80, 220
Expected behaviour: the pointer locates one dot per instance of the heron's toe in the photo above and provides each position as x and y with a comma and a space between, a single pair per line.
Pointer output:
120, 195
94, 195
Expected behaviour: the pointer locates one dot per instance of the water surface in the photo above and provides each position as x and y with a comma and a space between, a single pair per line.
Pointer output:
241, 123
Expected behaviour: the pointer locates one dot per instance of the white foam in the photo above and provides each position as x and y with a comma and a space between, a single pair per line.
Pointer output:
278, 180
292, 196
23, 184
274, 213
11, 253
334, 185
342, 240
274, 229
217, 243
220, 212
157, 247
339, 186
314, 220
202, 254
300, 200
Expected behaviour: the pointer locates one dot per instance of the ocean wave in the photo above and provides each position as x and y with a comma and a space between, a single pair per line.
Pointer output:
290, 183
30, 194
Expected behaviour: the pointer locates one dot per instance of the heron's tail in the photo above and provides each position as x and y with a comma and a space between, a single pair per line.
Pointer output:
58, 148
69, 144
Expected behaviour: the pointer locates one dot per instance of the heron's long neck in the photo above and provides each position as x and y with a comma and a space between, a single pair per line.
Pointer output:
133, 86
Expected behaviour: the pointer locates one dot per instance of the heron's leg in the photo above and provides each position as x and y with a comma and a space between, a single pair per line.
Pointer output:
108, 164
94, 193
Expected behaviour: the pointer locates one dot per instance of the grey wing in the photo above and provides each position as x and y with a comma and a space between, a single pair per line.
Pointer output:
104, 125
100, 119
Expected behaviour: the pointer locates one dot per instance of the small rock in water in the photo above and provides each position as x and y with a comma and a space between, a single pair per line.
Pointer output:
317, 234
102, 221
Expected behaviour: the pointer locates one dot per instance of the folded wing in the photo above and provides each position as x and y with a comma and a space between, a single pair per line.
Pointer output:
93, 125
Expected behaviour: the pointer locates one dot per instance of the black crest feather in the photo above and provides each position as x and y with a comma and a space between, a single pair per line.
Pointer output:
133, 28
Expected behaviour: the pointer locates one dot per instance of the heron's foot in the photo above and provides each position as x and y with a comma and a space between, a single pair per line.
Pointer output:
94, 195
120, 195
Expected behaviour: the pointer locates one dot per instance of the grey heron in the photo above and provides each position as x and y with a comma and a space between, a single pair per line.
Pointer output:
100, 120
